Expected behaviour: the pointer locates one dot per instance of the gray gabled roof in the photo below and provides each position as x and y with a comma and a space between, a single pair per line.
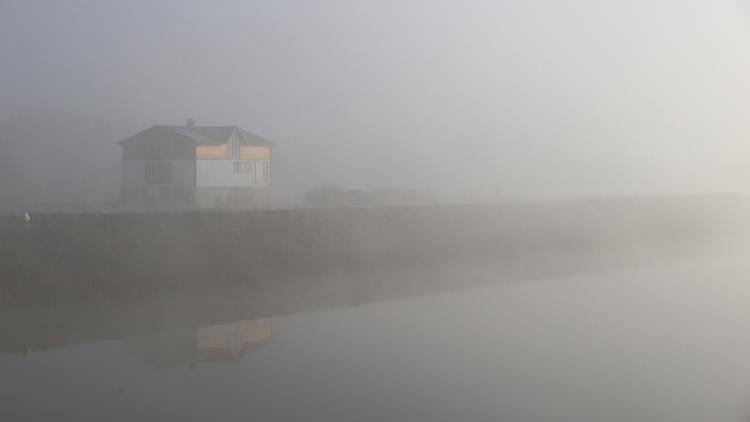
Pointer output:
203, 134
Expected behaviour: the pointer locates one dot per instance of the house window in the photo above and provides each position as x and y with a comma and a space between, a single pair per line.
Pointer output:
159, 148
259, 171
262, 174
158, 172
243, 166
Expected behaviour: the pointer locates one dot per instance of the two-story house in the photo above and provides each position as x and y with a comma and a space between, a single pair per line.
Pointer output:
195, 167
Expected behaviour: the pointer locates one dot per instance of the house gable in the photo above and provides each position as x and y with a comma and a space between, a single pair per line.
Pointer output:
203, 142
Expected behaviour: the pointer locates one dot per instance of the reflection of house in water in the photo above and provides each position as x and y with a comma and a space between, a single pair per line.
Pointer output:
230, 341
222, 342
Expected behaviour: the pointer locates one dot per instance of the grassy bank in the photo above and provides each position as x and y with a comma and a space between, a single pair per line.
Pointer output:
68, 279
129, 257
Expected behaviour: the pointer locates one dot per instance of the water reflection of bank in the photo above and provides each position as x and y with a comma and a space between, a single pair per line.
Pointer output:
33, 328
216, 343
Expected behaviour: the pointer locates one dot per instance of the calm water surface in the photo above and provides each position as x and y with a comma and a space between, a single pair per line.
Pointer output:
669, 343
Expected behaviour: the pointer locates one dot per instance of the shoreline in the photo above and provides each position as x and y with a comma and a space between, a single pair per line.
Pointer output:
87, 277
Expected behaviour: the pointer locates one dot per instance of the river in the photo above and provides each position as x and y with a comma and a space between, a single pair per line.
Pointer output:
660, 343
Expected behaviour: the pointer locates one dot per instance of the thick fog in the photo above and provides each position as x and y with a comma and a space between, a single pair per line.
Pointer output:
469, 210
458, 98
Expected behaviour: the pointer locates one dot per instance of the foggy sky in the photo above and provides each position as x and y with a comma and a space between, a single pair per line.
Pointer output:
470, 97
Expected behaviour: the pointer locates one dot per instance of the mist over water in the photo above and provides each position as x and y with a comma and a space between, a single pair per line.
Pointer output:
657, 344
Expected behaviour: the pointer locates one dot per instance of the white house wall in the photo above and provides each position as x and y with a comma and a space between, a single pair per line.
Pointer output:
220, 173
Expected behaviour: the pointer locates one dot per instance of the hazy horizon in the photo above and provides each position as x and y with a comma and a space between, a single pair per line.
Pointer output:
461, 98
